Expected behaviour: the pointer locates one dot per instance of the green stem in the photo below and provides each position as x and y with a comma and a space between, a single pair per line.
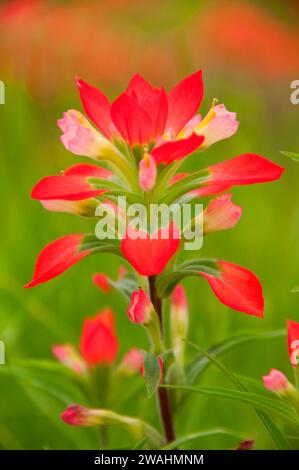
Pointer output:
163, 398
296, 377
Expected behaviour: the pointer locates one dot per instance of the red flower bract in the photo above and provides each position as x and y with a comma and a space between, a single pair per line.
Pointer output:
183, 102
238, 288
97, 108
293, 342
102, 282
245, 169
57, 257
149, 255
72, 185
152, 100
143, 114
98, 344
177, 149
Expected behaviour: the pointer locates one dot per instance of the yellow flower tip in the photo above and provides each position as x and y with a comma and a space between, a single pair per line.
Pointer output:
211, 114
146, 159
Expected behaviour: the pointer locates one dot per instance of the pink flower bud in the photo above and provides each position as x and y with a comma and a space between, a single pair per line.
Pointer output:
219, 124
132, 361
276, 381
178, 299
67, 355
147, 172
245, 445
79, 137
221, 214
77, 415
140, 307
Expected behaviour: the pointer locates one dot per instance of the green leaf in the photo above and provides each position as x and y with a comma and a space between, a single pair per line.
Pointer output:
273, 430
193, 181
166, 282
201, 362
197, 435
50, 387
140, 444
57, 380
294, 156
164, 178
126, 285
151, 372
114, 189
95, 245
275, 407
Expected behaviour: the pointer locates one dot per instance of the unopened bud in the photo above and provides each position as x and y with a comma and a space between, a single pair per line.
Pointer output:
179, 321
67, 355
131, 362
277, 382
147, 172
139, 310
77, 415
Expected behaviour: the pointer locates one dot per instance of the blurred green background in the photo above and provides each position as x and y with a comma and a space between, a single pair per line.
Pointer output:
248, 52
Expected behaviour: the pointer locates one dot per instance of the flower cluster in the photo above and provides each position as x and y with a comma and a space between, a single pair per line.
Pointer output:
98, 347
141, 140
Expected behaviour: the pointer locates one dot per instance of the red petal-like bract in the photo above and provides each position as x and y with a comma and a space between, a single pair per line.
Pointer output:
176, 149
98, 344
245, 169
130, 119
88, 170
211, 190
149, 255
72, 185
102, 282
183, 102
152, 100
97, 108
293, 342
140, 306
238, 288
57, 257
67, 188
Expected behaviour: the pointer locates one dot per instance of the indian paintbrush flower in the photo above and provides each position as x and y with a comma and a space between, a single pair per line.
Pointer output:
142, 138
98, 344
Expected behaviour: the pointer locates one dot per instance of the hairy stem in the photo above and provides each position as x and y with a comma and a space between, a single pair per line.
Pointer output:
163, 399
